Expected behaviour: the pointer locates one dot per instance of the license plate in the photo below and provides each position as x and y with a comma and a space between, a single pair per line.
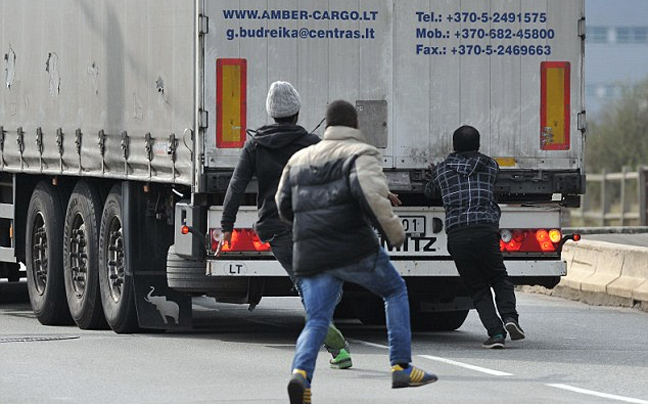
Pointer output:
413, 225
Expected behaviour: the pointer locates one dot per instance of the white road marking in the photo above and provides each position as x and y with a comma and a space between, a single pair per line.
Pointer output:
499, 373
438, 359
467, 366
368, 343
597, 394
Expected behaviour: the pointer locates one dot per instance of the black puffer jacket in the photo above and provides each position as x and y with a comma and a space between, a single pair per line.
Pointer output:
265, 156
334, 193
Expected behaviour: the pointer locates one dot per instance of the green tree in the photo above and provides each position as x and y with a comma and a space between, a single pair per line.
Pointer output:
619, 136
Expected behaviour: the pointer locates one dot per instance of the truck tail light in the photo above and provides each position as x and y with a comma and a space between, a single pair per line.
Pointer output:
530, 240
243, 240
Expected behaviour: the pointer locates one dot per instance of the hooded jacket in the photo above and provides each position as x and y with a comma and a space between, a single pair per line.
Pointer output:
466, 181
334, 193
264, 155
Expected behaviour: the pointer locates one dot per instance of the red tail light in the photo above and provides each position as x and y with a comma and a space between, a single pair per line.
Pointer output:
243, 240
530, 240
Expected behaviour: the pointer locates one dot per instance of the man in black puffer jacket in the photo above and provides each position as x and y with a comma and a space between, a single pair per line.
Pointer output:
334, 193
265, 156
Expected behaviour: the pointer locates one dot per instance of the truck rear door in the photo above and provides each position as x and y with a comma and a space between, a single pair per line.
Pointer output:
416, 70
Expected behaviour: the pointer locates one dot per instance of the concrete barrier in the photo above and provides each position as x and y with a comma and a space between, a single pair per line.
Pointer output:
613, 273
608, 262
641, 293
633, 273
580, 263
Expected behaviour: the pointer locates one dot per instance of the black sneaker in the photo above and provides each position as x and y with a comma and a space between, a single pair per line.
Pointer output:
514, 329
494, 342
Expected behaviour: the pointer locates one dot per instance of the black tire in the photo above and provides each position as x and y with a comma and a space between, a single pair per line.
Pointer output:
345, 309
117, 289
441, 321
370, 310
189, 276
44, 255
80, 256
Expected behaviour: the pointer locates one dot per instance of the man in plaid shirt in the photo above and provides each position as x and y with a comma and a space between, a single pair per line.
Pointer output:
465, 181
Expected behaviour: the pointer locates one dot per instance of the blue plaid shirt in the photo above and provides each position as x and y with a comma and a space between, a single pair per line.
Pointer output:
466, 181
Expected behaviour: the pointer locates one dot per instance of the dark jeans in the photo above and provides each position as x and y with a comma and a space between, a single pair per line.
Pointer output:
282, 248
475, 251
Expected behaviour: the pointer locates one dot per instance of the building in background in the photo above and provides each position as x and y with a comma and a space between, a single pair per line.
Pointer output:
616, 49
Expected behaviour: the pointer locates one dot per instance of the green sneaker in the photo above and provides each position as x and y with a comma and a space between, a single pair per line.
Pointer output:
342, 360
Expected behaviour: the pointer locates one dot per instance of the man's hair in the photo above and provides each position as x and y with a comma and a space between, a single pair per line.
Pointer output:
341, 113
466, 138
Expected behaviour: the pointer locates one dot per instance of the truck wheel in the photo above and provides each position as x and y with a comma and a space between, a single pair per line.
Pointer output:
187, 275
44, 260
345, 309
440, 321
117, 289
80, 262
370, 310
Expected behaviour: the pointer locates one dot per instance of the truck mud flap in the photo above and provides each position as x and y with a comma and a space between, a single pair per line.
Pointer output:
147, 240
160, 307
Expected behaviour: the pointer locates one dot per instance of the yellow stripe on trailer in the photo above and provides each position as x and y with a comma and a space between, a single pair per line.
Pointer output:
231, 102
555, 106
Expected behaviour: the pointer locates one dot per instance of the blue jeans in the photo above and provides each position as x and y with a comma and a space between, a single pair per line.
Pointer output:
282, 249
320, 293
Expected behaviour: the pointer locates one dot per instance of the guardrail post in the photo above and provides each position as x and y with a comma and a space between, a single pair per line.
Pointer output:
624, 174
642, 182
605, 203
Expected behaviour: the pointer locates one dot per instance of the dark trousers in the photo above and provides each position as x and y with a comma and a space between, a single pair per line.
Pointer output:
475, 251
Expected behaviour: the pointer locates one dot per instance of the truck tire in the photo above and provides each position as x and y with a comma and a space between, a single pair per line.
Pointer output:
117, 289
440, 321
186, 275
44, 258
370, 310
80, 257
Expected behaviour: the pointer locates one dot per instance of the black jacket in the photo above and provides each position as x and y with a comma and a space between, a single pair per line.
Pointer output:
334, 193
466, 182
265, 156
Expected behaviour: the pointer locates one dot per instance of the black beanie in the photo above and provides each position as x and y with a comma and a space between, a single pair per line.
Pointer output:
466, 138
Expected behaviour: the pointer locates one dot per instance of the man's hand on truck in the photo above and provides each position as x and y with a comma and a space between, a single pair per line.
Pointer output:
225, 239
394, 199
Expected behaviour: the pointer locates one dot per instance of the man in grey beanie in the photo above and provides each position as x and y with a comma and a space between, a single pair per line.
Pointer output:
264, 155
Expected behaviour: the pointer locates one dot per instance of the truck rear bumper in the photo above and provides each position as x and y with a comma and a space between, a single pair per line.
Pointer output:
408, 268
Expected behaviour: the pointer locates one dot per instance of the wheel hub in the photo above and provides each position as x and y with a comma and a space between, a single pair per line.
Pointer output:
78, 256
39, 254
115, 263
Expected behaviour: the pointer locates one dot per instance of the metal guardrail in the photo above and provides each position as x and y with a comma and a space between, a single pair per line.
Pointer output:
606, 230
615, 199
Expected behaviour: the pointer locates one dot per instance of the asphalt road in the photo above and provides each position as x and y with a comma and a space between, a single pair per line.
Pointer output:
574, 353
640, 239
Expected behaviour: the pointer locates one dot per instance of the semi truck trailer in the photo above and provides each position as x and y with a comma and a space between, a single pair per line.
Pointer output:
121, 124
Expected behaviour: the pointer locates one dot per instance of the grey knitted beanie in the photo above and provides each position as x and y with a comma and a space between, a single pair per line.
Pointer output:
283, 100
